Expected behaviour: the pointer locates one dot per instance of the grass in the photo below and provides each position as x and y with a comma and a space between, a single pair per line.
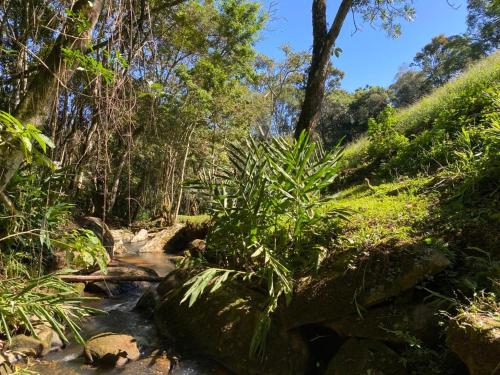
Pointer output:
476, 79
355, 152
194, 219
385, 213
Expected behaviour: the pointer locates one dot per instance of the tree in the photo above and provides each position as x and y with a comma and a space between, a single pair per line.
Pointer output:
408, 87
483, 21
384, 11
282, 85
39, 96
345, 116
445, 57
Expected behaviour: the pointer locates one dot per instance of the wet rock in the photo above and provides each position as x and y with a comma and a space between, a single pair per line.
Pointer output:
111, 350
221, 326
172, 281
157, 364
121, 238
393, 323
114, 288
475, 338
28, 345
140, 236
340, 290
159, 241
50, 338
362, 357
148, 301
100, 229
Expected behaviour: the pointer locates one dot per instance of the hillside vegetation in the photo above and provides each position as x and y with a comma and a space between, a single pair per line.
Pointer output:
430, 172
412, 256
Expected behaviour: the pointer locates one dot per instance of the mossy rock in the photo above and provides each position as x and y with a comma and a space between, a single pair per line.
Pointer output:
392, 323
475, 338
340, 290
364, 357
221, 325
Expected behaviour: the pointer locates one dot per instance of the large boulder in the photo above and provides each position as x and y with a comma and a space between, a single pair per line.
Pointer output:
100, 229
363, 357
155, 364
188, 233
475, 338
196, 247
391, 323
344, 288
172, 281
122, 235
111, 349
158, 243
148, 301
221, 325
140, 236
122, 238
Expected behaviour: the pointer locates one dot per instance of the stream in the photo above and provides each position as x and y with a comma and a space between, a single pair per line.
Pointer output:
120, 317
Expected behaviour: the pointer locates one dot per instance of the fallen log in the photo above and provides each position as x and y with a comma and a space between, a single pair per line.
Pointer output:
114, 278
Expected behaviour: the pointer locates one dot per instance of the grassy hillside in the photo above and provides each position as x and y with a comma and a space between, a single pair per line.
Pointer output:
428, 177
430, 174
452, 128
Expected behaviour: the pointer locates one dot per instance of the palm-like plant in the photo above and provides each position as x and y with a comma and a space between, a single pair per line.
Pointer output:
265, 207
46, 298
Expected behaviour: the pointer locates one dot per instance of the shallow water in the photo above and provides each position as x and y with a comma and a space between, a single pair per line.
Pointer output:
120, 317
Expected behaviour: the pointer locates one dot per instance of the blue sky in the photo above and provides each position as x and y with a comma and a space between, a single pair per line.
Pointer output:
369, 56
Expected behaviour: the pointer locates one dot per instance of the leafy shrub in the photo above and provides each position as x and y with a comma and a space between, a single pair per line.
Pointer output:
386, 141
84, 249
265, 208
13, 134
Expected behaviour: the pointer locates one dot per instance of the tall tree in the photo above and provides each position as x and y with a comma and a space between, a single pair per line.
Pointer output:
386, 12
483, 21
408, 87
383, 13
445, 57
54, 70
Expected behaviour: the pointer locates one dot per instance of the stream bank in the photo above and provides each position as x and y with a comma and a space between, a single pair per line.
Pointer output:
118, 301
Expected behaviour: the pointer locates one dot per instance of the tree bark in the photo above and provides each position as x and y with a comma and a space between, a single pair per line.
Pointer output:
42, 91
323, 43
116, 184
183, 170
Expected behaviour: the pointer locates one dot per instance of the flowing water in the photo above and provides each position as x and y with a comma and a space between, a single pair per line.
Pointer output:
120, 317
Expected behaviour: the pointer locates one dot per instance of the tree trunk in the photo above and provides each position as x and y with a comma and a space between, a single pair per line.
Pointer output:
41, 94
323, 43
116, 183
183, 170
